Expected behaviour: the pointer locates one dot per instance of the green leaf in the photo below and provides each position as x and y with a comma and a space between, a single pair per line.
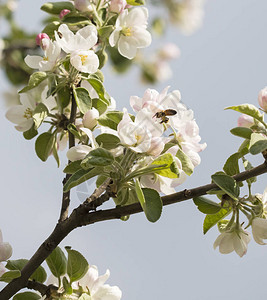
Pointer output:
57, 262
211, 220
77, 265
27, 296
248, 166
44, 145
63, 96
231, 166
99, 88
249, 110
111, 119
172, 171
258, 143
98, 157
18, 264
56, 7
105, 31
107, 141
55, 154
31, 133
67, 286
73, 167
153, 204
187, 164
51, 28
136, 2
35, 79
73, 129
10, 275
76, 20
100, 105
243, 132
80, 176
206, 206
39, 114
82, 98
227, 184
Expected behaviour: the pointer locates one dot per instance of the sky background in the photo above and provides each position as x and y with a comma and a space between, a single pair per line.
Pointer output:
222, 64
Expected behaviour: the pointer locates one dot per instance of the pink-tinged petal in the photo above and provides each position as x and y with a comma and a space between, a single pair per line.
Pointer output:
156, 147
240, 243
33, 61
15, 114
126, 49
136, 103
24, 126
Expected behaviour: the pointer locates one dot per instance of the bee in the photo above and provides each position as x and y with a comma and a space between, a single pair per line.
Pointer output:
163, 115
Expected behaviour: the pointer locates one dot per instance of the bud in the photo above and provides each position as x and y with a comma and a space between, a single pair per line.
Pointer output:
90, 118
5, 249
117, 6
63, 13
42, 40
262, 98
245, 121
83, 5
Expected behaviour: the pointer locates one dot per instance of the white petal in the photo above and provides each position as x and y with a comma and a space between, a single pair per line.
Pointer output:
78, 152
5, 251
226, 244
15, 114
24, 126
126, 49
33, 61
107, 292
100, 281
113, 39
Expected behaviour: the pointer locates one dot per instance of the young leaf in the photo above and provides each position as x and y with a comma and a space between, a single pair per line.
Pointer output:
111, 119
56, 7
27, 296
248, 109
108, 141
231, 166
258, 143
135, 2
73, 167
10, 275
83, 99
67, 286
98, 157
63, 96
51, 28
171, 171
227, 184
57, 262
243, 132
211, 220
99, 88
31, 133
77, 265
100, 105
44, 145
187, 164
105, 31
150, 201
206, 206
80, 176
35, 79
39, 114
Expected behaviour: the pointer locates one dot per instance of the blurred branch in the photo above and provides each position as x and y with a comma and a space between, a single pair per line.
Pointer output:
81, 217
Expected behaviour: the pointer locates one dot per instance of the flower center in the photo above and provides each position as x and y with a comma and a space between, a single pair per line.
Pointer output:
28, 114
138, 138
45, 58
127, 31
83, 58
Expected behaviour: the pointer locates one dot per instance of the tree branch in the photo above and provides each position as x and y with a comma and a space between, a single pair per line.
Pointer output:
80, 217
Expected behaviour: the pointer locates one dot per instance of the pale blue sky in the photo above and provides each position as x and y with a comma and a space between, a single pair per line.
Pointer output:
223, 64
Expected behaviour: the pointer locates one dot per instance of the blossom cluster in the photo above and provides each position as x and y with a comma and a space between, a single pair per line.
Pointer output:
5, 253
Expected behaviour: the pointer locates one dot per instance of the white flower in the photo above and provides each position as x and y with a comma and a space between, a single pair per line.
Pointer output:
117, 6
22, 114
130, 32
262, 99
48, 62
84, 61
235, 239
95, 284
245, 121
84, 39
90, 118
83, 5
169, 51
5, 250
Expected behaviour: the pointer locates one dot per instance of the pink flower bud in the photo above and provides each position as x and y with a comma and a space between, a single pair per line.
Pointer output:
42, 40
63, 13
117, 6
262, 98
245, 121
90, 118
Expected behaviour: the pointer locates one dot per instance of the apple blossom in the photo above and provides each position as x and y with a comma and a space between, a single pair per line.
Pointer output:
5, 249
235, 239
78, 152
63, 13
51, 54
42, 40
130, 32
90, 118
84, 39
117, 6
262, 99
83, 5
169, 51
245, 121
84, 61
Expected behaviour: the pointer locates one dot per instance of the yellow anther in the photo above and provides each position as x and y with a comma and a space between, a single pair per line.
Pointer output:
28, 113
83, 58
127, 31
